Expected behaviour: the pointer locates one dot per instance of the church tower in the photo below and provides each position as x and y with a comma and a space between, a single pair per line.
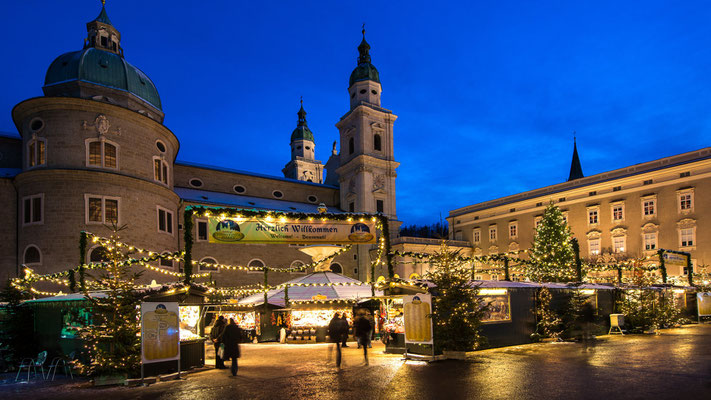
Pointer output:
367, 165
303, 166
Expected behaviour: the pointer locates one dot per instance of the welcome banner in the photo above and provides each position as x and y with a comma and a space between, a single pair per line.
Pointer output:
274, 230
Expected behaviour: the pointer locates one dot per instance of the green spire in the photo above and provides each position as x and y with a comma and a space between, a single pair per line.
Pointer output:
103, 17
302, 131
363, 48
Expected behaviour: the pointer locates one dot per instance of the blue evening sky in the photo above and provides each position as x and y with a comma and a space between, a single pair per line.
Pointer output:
487, 93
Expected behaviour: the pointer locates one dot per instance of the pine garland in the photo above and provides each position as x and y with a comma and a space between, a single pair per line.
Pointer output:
188, 236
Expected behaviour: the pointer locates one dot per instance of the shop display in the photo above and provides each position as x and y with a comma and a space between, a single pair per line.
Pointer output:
304, 323
247, 320
499, 308
189, 323
392, 316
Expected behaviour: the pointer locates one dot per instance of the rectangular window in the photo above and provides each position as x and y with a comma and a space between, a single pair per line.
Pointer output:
33, 209
101, 209
618, 213
593, 193
476, 236
351, 207
537, 221
492, 233
165, 221
380, 206
565, 217
617, 188
594, 246
35, 152
618, 244
648, 182
685, 201
202, 231
687, 237
649, 207
458, 235
100, 153
684, 174
95, 153
592, 216
160, 170
109, 156
650, 241
513, 230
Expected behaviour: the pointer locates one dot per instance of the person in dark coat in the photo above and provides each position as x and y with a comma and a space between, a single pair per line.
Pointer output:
231, 338
362, 328
335, 333
216, 336
345, 333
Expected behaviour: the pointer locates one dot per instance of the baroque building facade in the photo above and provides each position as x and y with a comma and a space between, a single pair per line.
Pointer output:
94, 151
628, 213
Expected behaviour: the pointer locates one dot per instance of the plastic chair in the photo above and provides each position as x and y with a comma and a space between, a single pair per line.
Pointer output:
67, 365
32, 364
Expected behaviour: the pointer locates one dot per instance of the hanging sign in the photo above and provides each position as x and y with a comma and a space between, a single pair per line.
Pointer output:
160, 327
417, 312
268, 230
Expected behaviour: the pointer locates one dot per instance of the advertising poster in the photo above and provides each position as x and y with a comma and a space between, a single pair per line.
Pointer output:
417, 312
268, 230
160, 327
704, 302
675, 259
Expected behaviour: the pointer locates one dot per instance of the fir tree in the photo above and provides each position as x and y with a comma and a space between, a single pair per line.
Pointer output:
548, 324
112, 339
552, 255
457, 309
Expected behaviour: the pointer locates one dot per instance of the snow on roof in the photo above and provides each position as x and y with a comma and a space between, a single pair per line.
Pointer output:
68, 297
296, 293
236, 200
505, 284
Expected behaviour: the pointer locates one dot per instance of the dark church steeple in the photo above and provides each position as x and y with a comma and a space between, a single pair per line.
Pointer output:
576, 170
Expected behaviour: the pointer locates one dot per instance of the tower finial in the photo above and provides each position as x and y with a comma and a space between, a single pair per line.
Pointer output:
363, 31
103, 3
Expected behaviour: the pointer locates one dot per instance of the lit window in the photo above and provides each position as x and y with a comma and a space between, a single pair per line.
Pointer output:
160, 170
492, 233
687, 237
618, 244
101, 209
649, 207
32, 209
686, 201
592, 216
537, 221
36, 152
513, 230
101, 153
165, 220
650, 241
476, 235
594, 246
618, 212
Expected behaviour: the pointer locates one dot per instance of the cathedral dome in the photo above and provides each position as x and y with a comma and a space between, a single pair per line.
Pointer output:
103, 68
364, 72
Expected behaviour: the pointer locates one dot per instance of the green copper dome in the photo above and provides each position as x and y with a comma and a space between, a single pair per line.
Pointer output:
302, 131
102, 68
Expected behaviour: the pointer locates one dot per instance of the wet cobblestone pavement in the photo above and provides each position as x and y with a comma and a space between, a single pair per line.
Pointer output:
673, 365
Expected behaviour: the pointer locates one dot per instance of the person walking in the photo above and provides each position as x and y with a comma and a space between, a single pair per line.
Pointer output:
231, 338
218, 329
335, 333
363, 329
345, 326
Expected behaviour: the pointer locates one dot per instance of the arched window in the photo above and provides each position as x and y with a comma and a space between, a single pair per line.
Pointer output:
296, 264
165, 263
97, 255
377, 143
32, 255
336, 267
255, 263
351, 146
206, 268
101, 153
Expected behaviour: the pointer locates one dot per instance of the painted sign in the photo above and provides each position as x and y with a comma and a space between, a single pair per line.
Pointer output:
675, 258
703, 299
160, 327
417, 312
266, 230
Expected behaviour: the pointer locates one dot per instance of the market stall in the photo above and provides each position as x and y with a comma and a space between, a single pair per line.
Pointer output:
303, 307
390, 317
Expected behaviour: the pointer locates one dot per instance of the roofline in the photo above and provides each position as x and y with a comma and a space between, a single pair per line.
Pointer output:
258, 175
635, 169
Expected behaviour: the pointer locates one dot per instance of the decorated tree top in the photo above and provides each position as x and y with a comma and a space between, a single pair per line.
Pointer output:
552, 254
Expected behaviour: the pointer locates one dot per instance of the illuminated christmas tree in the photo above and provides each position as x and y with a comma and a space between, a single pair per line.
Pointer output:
113, 339
552, 255
457, 309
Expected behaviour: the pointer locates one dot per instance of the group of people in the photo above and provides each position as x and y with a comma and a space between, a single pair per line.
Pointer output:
226, 338
362, 330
